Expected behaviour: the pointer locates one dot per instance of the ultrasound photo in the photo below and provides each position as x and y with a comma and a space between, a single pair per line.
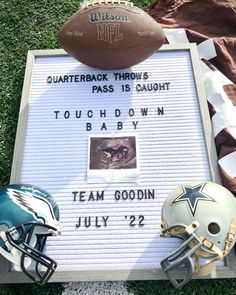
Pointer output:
113, 153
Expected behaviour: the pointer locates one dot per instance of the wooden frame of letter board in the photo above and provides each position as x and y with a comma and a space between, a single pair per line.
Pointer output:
8, 276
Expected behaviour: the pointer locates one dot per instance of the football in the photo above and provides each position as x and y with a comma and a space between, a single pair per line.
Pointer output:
110, 34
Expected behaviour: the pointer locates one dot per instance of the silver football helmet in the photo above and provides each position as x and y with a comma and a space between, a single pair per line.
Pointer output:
203, 214
28, 216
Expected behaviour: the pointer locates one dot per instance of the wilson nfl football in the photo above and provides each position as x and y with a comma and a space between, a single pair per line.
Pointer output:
110, 34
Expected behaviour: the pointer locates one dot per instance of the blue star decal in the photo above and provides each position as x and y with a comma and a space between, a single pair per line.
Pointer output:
193, 195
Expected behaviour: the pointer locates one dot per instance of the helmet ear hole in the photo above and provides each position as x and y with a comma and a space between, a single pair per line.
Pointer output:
213, 228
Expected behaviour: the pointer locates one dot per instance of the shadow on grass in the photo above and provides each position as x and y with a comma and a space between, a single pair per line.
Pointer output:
31, 289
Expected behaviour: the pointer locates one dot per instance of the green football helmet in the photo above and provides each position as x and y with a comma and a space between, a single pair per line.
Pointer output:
203, 214
28, 215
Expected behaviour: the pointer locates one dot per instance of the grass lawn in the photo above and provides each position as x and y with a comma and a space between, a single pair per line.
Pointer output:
27, 25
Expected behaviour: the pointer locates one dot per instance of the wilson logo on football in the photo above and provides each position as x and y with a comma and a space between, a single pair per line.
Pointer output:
109, 32
108, 17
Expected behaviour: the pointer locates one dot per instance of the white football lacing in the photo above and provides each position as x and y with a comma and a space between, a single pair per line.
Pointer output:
88, 3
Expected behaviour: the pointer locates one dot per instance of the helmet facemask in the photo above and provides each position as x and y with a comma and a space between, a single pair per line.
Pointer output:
180, 262
26, 243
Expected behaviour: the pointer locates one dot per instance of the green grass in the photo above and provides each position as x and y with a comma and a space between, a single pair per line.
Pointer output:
194, 287
27, 25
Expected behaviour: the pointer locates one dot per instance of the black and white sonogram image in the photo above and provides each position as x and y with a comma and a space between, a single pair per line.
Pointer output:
113, 152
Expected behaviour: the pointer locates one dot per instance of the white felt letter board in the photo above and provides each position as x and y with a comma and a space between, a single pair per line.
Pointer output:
109, 146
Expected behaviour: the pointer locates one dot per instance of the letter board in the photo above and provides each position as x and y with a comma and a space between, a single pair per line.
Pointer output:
75, 120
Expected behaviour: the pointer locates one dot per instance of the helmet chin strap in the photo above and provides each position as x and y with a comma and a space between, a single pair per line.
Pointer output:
229, 242
204, 270
210, 266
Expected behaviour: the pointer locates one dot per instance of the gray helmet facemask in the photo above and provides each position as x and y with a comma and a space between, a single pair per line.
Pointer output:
179, 265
